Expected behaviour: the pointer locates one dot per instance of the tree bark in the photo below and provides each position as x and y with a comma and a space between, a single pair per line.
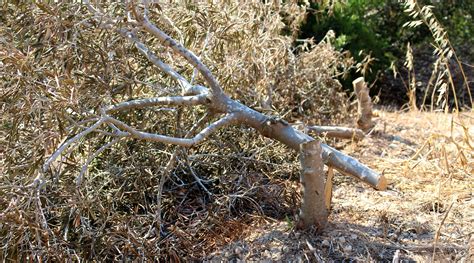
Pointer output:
364, 121
314, 210
338, 132
281, 131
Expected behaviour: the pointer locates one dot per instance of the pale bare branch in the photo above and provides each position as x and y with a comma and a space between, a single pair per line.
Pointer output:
159, 101
182, 51
131, 132
227, 120
196, 90
69, 142
338, 132
185, 85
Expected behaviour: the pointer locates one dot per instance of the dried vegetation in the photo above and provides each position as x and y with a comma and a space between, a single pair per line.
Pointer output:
57, 68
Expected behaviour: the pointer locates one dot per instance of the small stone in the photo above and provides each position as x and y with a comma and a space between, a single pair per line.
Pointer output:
238, 251
353, 236
342, 239
347, 249
285, 249
325, 243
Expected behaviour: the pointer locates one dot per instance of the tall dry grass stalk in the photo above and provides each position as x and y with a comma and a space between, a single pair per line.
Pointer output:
445, 53
446, 157
411, 89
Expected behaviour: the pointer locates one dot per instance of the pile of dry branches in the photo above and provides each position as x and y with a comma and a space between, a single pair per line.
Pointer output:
60, 65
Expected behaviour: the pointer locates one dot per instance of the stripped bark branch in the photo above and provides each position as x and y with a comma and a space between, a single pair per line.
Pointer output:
183, 82
338, 132
159, 101
133, 133
67, 143
182, 51
227, 120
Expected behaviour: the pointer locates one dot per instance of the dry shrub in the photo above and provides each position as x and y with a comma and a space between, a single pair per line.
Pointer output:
58, 68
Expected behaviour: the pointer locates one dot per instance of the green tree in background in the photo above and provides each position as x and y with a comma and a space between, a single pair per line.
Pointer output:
375, 28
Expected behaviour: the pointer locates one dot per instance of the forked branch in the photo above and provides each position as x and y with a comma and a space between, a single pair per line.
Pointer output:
124, 130
227, 120
181, 50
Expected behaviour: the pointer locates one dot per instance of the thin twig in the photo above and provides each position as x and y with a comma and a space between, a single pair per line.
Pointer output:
69, 142
92, 157
435, 243
196, 177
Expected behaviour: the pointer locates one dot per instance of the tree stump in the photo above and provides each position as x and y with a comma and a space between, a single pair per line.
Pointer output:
314, 206
364, 110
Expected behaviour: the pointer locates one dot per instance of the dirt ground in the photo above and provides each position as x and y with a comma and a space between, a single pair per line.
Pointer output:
426, 215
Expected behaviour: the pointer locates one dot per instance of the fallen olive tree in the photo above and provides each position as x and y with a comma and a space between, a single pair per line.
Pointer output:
217, 103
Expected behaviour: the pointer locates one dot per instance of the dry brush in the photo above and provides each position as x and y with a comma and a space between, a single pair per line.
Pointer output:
72, 92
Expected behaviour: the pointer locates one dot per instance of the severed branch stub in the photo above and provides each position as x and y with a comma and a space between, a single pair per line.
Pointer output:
316, 201
315, 204
338, 132
364, 109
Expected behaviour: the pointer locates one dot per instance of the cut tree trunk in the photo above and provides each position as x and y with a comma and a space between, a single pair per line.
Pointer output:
314, 209
364, 121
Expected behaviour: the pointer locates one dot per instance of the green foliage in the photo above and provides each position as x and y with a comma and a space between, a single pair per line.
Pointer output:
355, 24
375, 28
